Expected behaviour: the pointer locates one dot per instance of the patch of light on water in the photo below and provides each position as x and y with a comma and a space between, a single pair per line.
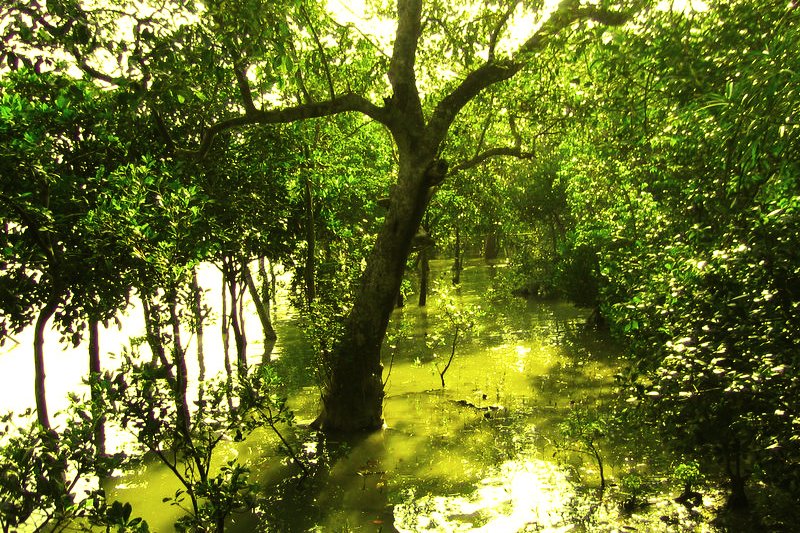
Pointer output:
520, 495
522, 354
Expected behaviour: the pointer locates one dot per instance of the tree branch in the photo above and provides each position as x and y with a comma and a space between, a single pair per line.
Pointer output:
305, 95
341, 104
244, 87
495, 35
500, 151
322, 55
495, 71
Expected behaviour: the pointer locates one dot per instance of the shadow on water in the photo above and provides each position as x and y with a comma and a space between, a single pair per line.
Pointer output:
480, 454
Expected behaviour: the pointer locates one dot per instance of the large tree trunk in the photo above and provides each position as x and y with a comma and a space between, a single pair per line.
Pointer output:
353, 399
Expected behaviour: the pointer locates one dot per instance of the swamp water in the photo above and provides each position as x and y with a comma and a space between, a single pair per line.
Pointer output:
483, 453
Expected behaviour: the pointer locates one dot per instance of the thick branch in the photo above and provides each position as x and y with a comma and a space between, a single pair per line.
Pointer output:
476, 81
401, 67
342, 104
492, 72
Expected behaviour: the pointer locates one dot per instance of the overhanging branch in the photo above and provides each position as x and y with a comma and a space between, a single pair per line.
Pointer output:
341, 104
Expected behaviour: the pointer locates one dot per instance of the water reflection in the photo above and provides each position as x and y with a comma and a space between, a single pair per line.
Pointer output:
473, 456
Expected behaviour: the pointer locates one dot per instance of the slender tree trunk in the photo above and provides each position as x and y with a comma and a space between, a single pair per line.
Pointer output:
457, 266
94, 373
311, 244
181, 372
226, 342
424, 273
353, 398
199, 318
242, 332
38, 358
273, 283
261, 305
152, 325
235, 314
453, 346
55, 469
266, 284
267, 292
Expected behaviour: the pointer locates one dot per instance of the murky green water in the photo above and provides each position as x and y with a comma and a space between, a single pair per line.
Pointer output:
483, 453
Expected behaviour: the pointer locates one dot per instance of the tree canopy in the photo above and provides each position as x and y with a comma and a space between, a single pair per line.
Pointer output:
636, 157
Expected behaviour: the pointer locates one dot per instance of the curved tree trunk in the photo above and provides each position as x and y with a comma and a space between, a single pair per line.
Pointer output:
45, 314
262, 309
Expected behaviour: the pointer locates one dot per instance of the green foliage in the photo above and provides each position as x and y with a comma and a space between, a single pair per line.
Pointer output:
140, 399
49, 478
58, 141
632, 487
687, 474
459, 322
583, 429
687, 191
118, 518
